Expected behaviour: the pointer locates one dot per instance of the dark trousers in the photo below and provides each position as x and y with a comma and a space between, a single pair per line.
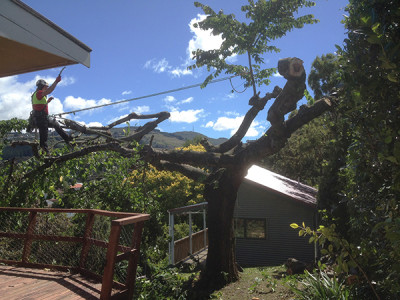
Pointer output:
43, 122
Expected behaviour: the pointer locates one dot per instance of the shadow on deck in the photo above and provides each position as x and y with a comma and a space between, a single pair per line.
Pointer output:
41, 284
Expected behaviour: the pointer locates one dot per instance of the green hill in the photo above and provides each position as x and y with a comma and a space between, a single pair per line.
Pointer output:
165, 140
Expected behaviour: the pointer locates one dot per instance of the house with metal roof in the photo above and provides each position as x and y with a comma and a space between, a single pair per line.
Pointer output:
31, 42
267, 203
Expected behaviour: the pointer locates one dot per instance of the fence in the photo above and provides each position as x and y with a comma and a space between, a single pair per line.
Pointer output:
98, 244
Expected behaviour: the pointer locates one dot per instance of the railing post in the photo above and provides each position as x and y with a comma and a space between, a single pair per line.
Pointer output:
190, 234
106, 287
171, 242
86, 245
134, 258
204, 228
28, 240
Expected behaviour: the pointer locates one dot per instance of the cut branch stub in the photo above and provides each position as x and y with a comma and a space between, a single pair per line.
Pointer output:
292, 69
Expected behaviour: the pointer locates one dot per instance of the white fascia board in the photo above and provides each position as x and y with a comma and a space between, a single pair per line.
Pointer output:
20, 25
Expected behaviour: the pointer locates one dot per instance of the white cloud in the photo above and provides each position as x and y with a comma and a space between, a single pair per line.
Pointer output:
56, 107
169, 99
231, 96
160, 66
202, 39
90, 124
232, 113
141, 109
233, 124
15, 98
163, 65
124, 93
185, 116
188, 100
178, 72
209, 124
95, 124
75, 103
65, 81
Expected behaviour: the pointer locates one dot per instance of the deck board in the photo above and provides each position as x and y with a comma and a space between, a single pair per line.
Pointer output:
34, 284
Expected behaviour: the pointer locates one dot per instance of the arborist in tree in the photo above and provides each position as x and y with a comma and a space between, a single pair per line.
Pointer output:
40, 114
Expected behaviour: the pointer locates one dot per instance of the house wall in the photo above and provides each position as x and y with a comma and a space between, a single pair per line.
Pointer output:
282, 242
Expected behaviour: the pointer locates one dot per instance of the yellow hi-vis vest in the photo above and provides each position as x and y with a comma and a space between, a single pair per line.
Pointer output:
39, 105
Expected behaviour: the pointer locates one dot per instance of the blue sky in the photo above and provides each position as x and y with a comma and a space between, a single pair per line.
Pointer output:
142, 47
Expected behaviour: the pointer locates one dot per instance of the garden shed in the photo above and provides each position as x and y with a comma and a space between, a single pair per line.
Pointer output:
267, 204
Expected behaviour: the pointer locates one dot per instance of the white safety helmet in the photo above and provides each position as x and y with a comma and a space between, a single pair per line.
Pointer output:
41, 82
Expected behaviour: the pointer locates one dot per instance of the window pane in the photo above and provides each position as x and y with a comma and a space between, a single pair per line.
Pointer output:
256, 229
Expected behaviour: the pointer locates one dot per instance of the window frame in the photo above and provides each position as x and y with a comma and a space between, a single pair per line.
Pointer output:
245, 228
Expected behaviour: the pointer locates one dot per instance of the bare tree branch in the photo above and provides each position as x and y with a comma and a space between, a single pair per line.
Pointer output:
258, 104
105, 130
148, 127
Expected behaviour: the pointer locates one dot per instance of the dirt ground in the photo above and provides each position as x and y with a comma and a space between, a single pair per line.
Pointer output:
258, 284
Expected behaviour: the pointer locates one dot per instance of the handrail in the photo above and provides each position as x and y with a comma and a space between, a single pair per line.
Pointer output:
129, 253
75, 210
188, 208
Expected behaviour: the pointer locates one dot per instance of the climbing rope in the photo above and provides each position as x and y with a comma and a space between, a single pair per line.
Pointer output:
233, 88
143, 97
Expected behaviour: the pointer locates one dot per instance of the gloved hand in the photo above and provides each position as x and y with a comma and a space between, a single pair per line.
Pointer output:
58, 79
51, 98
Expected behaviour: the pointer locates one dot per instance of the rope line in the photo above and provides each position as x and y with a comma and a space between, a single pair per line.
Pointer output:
233, 88
146, 96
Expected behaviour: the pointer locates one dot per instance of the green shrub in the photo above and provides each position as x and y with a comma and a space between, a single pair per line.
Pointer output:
165, 283
321, 286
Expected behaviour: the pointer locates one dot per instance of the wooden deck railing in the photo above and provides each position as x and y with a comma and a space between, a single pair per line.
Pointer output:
182, 246
195, 241
26, 220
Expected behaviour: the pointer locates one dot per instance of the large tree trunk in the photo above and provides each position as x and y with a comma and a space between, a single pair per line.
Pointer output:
220, 192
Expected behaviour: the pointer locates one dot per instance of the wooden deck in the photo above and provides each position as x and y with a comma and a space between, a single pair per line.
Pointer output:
25, 231
34, 284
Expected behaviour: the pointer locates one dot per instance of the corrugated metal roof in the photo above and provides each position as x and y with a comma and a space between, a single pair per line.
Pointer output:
283, 185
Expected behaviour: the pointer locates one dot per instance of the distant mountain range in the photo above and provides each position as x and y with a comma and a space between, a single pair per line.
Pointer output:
161, 140
165, 140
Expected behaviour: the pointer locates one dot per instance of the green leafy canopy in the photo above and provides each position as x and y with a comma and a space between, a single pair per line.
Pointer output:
266, 21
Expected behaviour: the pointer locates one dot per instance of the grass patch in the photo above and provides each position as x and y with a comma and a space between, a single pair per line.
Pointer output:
263, 283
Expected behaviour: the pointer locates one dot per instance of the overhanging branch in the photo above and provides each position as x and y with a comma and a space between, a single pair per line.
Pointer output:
276, 137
